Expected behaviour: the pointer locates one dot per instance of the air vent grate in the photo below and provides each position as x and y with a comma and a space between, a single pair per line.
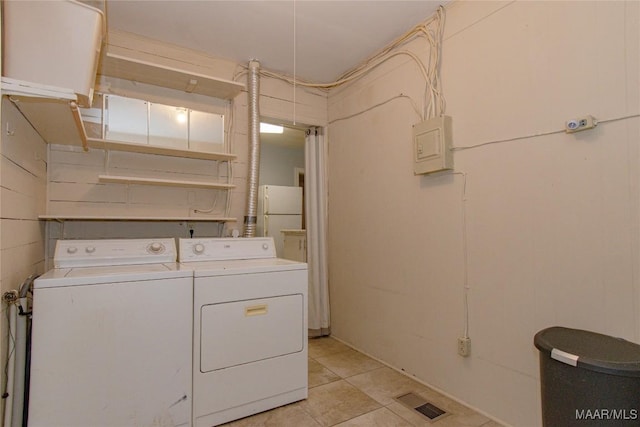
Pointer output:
428, 410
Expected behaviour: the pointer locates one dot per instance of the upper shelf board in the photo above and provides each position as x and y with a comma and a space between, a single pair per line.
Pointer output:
123, 67
133, 218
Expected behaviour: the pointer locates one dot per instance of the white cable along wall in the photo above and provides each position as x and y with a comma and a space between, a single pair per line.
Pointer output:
433, 102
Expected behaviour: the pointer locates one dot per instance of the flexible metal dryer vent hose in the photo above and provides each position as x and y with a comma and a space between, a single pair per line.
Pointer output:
251, 217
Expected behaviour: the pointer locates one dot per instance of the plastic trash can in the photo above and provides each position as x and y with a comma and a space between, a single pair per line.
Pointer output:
588, 379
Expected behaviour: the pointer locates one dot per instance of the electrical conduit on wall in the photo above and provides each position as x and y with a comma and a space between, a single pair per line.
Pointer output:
250, 218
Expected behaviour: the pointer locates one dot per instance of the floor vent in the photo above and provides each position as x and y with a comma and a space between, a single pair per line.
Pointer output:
428, 410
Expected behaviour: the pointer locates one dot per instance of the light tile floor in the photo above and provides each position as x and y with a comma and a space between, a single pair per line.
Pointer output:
349, 389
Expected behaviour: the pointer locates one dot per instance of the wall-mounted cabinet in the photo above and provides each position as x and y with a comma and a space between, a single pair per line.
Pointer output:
54, 43
48, 70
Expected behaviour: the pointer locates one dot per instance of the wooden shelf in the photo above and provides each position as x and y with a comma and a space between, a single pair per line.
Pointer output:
163, 182
131, 147
52, 111
121, 66
131, 218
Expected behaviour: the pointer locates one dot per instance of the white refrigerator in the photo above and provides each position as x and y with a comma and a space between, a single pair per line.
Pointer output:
279, 208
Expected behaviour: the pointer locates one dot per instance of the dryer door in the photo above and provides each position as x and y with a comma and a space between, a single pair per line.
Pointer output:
240, 332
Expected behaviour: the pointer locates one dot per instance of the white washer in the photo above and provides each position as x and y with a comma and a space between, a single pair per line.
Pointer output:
112, 336
250, 328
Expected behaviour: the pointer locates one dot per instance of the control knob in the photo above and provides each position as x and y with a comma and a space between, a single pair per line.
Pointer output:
198, 248
156, 247
90, 249
72, 250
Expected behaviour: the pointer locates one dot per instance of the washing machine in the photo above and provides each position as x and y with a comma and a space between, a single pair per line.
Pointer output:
112, 336
250, 328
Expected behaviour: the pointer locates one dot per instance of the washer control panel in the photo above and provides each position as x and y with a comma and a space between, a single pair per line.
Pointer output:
220, 249
94, 253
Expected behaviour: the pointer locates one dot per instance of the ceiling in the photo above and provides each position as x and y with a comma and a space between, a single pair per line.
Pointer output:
331, 37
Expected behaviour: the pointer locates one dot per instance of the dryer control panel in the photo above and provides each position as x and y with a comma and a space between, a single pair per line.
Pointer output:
222, 249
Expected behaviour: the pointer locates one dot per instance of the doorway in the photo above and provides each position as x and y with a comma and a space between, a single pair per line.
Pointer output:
282, 166
311, 149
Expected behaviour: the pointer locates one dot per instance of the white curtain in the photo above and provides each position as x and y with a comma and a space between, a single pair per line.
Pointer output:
316, 224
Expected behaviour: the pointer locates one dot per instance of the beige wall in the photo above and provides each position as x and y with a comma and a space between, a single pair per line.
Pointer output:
23, 180
23, 189
546, 227
278, 164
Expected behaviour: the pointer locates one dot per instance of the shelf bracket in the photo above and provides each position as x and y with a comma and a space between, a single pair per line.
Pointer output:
78, 120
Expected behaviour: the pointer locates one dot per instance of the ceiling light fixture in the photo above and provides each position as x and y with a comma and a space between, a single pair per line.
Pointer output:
181, 115
269, 128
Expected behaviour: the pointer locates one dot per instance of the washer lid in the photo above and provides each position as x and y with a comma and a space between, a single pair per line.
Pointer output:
61, 277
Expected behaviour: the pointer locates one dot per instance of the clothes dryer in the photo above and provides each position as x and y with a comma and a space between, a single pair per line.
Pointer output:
250, 328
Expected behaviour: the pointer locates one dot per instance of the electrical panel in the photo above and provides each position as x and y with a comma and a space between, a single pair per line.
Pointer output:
432, 145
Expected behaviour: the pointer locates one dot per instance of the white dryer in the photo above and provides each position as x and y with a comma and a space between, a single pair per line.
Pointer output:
250, 328
112, 336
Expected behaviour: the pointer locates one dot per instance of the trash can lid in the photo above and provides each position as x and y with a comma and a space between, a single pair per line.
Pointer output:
590, 350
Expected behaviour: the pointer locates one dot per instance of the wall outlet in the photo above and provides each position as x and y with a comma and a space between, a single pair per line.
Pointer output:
580, 123
464, 346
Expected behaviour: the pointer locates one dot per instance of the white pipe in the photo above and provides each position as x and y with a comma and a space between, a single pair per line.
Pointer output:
8, 403
20, 364
251, 218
